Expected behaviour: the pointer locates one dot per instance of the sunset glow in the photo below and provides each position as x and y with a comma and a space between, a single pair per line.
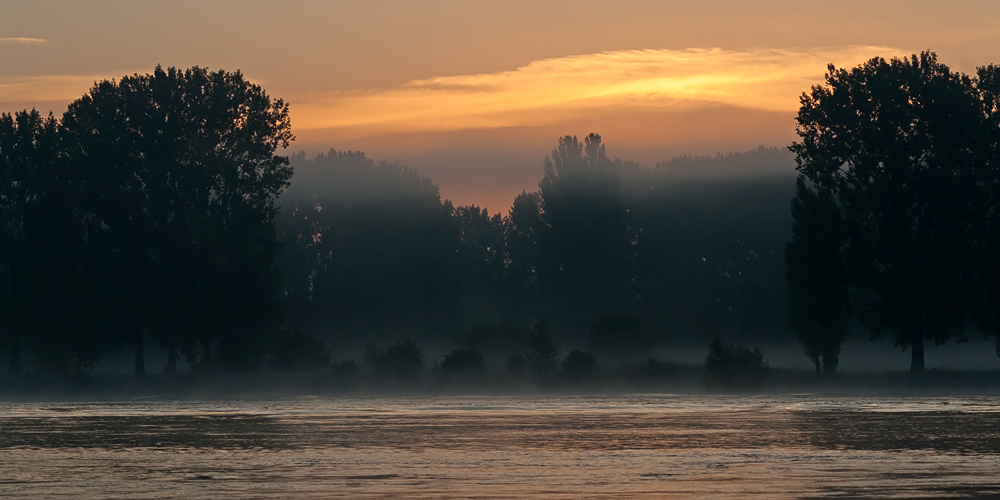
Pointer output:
551, 90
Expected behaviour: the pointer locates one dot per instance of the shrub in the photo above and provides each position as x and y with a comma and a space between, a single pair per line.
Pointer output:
294, 350
464, 362
579, 366
735, 366
402, 360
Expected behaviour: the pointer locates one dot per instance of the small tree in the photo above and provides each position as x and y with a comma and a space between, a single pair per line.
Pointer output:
817, 277
543, 352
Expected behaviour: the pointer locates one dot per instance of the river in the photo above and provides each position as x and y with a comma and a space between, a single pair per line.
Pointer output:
622, 446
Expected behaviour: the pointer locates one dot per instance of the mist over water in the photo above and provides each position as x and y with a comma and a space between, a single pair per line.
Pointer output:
636, 446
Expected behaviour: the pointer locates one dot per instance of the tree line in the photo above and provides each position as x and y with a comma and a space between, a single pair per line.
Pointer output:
150, 212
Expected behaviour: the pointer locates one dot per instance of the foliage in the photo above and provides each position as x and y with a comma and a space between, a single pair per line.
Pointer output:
579, 366
817, 276
403, 360
735, 365
180, 180
464, 362
586, 244
543, 352
899, 145
294, 350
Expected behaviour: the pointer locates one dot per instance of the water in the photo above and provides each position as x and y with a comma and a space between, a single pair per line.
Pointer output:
639, 446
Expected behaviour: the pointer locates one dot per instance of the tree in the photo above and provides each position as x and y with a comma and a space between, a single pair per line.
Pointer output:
735, 365
368, 242
587, 257
898, 145
542, 357
181, 180
988, 87
817, 277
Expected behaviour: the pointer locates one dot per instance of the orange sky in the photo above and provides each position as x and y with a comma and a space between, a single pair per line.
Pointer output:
474, 94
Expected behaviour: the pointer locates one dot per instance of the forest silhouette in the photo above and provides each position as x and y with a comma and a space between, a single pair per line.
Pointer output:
158, 210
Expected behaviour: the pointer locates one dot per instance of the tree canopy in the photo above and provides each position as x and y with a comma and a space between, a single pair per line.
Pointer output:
900, 146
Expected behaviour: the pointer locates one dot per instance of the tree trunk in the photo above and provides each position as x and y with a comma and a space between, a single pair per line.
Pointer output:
140, 359
14, 356
917, 347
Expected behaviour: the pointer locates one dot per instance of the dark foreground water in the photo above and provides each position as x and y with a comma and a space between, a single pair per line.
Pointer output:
643, 446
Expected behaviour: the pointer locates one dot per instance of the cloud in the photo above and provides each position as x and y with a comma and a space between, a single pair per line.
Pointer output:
23, 40
551, 90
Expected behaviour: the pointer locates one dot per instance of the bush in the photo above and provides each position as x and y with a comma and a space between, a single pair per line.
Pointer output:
579, 366
464, 362
516, 364
735, 366
403, 360
294, 350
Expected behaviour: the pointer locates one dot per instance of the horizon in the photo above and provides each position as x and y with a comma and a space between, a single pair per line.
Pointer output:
476, 96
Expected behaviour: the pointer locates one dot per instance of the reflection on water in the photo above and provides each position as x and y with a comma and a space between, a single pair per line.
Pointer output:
800, 446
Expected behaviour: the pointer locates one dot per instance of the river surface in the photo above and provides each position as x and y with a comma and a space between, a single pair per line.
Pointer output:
632, 446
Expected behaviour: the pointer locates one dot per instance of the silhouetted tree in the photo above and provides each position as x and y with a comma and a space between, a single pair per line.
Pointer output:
988, 87
543, 352
587, 261
403, 360
735, 365
369, 243
181, 177
898, 145
524, 231
294, 350
817, 276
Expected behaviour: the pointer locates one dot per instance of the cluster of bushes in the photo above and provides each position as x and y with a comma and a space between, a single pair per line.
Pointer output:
540, 363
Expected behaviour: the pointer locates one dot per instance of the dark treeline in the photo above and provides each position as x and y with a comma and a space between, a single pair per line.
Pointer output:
616, 257
155, 213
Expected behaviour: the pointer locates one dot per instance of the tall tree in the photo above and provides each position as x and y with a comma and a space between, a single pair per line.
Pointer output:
587, 264
817, 277
988, 87
181, 176
898, 144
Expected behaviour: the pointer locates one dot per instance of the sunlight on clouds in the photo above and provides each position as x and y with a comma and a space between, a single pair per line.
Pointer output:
22, 40
550, 90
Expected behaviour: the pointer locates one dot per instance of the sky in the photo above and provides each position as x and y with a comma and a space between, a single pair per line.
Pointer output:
475, 94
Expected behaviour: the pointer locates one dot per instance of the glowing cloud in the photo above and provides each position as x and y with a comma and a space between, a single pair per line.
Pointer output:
550, 90
22, 40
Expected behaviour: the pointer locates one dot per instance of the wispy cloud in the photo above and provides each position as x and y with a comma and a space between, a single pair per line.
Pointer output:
550, 90
22, 40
